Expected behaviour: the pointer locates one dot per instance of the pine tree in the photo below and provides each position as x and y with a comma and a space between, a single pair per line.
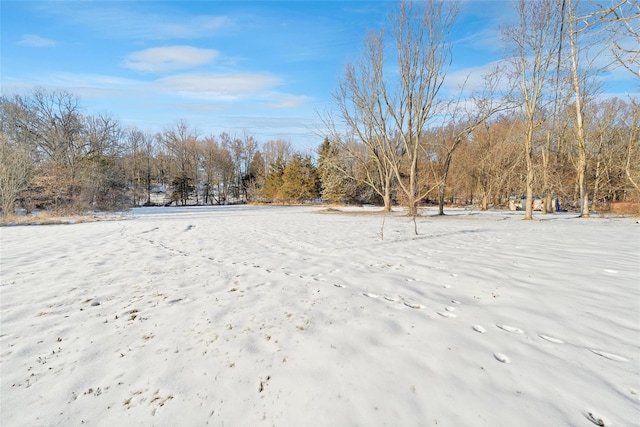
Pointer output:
335, 185
273, 182
298, 180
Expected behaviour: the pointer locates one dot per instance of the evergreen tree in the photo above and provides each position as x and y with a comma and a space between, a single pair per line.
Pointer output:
273, 182
334, 184
298, 180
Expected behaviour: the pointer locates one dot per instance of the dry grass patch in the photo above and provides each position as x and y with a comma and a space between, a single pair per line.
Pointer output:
50, 218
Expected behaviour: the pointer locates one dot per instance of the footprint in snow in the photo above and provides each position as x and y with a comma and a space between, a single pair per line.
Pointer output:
551, 339
609, 356
453, 301
389, 298
370, 295
413, 305
339, 285
596, 418
450, 308
479, 328
511, 329
446, 314
501, 358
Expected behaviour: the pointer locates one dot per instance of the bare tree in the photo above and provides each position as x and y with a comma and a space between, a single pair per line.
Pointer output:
494, 160
180, 142
390, 114
612, 129
533, 44
626, 26
55, 124
274, 151
460, 123
361, 165
59, 128
218, 170
256, 177
421, 32
16, 168
76, 155
574, 31
17, 149
632, 164
360, 101
622, 22
140, 160
242, 151
100, 176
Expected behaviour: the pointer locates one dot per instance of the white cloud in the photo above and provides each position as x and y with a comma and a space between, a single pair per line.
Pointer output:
285, 100
170, 58
86, 86
221, 87
32, 40
472, 79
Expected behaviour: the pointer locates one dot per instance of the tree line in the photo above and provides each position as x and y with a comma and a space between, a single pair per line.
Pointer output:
54, 157
534, 126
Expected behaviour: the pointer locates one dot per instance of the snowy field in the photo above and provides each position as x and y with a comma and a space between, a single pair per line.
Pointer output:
252, 316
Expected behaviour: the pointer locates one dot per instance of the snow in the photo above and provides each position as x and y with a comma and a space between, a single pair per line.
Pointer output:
286, 316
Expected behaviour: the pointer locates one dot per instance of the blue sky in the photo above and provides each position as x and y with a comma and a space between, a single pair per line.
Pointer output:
262, 67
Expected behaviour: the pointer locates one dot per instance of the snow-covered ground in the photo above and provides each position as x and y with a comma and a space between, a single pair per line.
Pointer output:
250, 316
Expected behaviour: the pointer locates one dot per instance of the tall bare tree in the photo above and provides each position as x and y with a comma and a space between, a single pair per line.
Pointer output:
16, 169
389, 112
421, 32
574, 34
218, 169
361, 104
494, 159
276, 151
632, 164
242, 151
17, 152
621, 18
533, 43
181, 142
101, 177
461, 120
140, 164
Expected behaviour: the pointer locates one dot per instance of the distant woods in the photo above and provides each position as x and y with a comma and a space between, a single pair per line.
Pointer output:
55, 157
534, 125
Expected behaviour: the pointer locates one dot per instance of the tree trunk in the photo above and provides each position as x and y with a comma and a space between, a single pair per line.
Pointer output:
445, 172
441, 192
387, 196
546, 186
412, 197
530, 173
580, 135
